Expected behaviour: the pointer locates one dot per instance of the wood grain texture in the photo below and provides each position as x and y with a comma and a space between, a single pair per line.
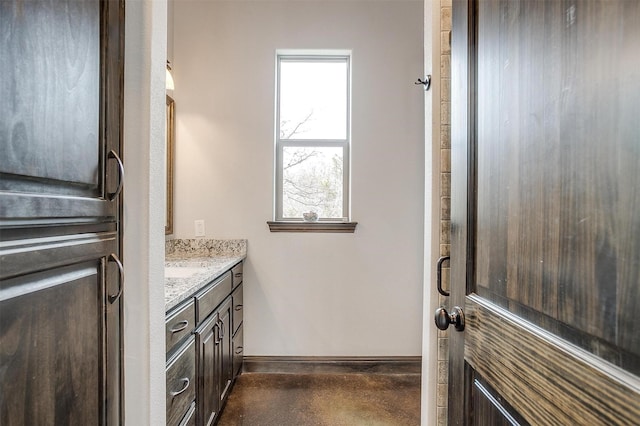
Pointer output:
51, 342
208, 371
22, 256
238, 351
183, 318
337, 227
61, 85
226, 351
190, 418
558, 150
546, 380
490, 408
50, 88
211, 296
61, 81
180, 368
238, 307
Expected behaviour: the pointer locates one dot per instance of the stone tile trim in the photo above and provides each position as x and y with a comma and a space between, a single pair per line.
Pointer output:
445, 198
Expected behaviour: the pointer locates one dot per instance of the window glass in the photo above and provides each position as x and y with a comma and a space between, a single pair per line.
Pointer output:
312, 137
312, 181
313, 99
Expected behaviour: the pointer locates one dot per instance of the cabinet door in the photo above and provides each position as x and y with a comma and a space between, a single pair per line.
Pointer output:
226, 354
54, 343
238, 351
208, 368
60, 115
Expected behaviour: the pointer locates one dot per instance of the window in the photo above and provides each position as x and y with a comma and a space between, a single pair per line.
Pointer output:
312, 137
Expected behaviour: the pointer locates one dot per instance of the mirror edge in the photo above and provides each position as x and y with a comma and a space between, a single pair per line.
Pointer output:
168, 228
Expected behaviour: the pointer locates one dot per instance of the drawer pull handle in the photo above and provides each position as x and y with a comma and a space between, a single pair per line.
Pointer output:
239, 350
179, 326
220, 326
113, 297
186, 382
238, 307
238, 275
114, 195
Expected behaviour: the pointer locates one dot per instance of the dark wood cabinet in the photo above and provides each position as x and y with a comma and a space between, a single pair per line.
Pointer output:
208, 370
61, 280
215, 368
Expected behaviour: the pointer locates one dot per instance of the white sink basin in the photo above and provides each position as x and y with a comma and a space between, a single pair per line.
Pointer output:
181, 272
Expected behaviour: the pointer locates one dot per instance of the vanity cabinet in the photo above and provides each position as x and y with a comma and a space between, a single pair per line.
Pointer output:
212, 345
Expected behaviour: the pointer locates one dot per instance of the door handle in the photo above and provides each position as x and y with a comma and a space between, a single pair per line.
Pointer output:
179, 326
114, 195
439, 276
113, 297
456, 317
185, 386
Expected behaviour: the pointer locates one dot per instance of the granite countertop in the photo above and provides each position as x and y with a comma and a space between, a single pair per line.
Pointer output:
192, 264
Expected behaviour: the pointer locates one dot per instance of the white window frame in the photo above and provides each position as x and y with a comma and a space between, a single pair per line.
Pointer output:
345, 144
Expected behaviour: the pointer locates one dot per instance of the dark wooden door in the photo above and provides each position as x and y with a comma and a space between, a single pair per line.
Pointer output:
546, 212
61, 281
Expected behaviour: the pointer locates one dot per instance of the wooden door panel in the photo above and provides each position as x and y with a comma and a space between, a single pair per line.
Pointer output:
208, 371
51, 75
490, 408
556, 204
545, 256
51, 347
545, 379
60, 119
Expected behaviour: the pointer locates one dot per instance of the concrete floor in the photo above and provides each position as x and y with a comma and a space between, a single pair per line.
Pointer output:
268, 399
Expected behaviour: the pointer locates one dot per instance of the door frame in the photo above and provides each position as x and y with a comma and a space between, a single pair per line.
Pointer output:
462, 196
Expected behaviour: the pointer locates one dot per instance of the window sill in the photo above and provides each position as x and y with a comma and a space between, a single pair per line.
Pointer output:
337, 227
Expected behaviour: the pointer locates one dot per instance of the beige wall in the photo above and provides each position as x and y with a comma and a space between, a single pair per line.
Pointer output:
143, 221
307, 294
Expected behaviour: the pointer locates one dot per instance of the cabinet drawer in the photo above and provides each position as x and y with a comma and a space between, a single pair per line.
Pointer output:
189, 419
208, 299
181, 382
237, 272
179, 324
237, 308
238, 351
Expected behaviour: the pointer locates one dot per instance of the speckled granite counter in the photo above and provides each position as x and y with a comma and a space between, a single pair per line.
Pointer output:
192, 264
